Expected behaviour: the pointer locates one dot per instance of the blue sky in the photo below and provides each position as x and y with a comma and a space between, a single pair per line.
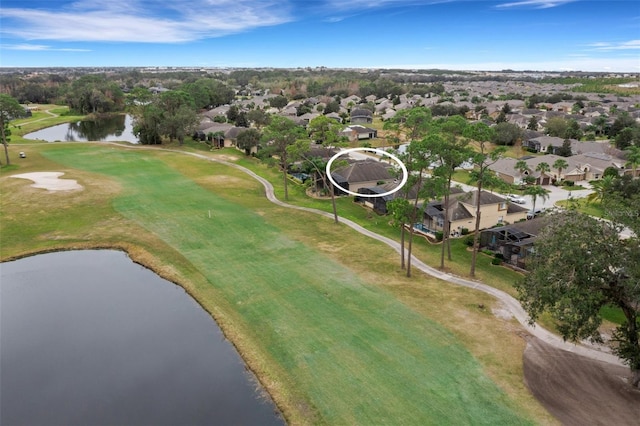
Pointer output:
545, 35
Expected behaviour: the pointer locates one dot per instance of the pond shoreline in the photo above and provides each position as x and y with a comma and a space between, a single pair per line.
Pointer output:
259, 391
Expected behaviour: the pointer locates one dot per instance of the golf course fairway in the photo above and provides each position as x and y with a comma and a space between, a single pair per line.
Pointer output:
330, 346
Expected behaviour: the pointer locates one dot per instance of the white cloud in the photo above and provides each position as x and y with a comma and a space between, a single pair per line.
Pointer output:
536, 4
131, 21
625, 45
41, 48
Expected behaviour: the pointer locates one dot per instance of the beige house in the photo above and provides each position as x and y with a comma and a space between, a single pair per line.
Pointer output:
494, 210
591, 166
357, 132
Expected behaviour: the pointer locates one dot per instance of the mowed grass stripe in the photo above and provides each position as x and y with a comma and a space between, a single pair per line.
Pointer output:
357, 355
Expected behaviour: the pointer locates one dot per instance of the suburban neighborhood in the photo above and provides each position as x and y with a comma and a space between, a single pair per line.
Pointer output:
279, 193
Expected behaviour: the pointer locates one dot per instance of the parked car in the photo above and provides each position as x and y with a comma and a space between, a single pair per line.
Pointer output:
531, 214
515, 198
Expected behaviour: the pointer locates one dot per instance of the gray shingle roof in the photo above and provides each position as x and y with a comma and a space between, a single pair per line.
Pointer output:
364, 171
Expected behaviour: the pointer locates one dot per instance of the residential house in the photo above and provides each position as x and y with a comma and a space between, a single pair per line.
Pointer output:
349, 100
599, 147
362, 174
215, 133
379, 204
361, 115
494, 210
505, 169
304, 119
515, 241
543, 144
231, 136
335, 116
591, 166
356, 132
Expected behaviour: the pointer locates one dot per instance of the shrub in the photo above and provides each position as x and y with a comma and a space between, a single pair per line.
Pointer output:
439, 235
464, 231
568, 183
499, 256
610, 171
496, 261
468, 240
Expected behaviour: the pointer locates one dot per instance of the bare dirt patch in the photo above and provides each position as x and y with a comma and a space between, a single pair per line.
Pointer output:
578, 390
227, 157
50, 181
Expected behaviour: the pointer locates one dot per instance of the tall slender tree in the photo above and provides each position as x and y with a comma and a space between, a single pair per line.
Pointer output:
482, 159
406, 127
324, 132
420, 156
9, 109
280, 134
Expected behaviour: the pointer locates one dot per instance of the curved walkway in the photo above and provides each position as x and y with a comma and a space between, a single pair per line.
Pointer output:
509, 301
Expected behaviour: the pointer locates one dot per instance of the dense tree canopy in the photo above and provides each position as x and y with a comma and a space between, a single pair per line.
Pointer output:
506, 134
579, 266
209, 93
93, 93
172, 114
248, 139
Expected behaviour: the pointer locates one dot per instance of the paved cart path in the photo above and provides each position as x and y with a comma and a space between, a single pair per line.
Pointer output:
509, 302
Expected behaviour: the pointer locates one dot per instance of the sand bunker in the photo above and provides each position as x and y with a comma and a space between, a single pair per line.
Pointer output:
50, 181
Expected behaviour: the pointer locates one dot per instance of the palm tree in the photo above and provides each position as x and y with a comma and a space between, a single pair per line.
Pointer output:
543, 168
601, 188
560, 164
536, 191
600, 123
633, 158
521, 166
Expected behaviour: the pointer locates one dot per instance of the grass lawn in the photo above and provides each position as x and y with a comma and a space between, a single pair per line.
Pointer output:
46, 116
322, 314
584, 206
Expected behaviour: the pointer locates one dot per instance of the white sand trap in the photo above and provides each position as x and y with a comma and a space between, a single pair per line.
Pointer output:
50, 181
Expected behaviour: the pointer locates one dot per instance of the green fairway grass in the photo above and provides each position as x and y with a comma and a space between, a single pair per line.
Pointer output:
334, 348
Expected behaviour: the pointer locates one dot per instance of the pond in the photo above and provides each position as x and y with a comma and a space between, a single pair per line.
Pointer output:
113, 128
89, 337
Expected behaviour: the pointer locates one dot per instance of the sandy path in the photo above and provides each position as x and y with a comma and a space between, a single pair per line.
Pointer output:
580, 391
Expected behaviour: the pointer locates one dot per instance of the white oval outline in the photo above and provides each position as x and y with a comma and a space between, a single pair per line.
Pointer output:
405, 173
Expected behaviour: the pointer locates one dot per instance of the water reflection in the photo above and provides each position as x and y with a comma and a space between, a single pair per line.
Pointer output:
89, 337
110, 129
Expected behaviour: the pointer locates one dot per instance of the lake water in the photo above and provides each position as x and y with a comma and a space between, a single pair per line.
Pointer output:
115, 128
91, 338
